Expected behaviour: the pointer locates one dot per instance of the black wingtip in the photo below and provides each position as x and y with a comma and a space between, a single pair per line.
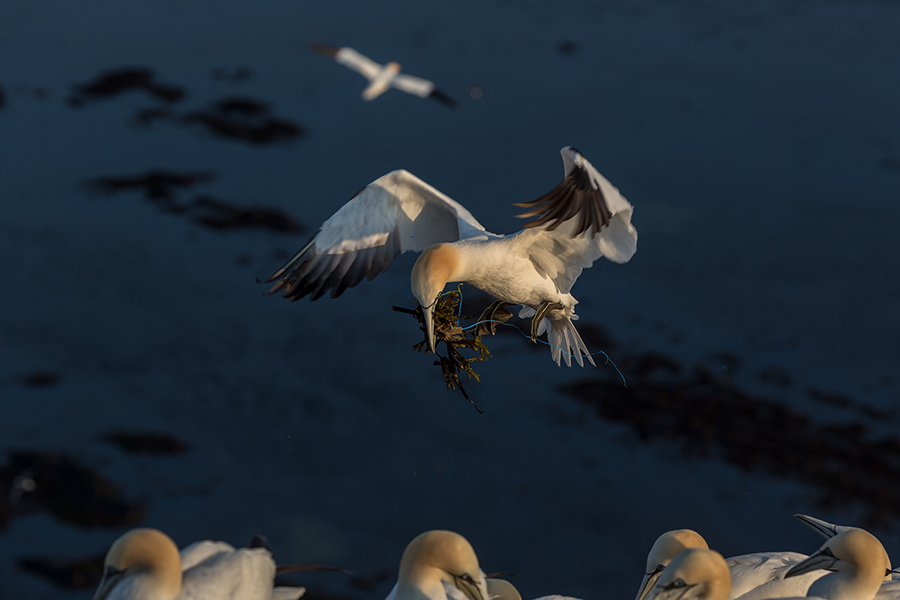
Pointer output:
442, 97
323, 49
260, 541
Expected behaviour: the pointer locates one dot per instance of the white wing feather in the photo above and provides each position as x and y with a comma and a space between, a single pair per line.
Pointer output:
557, 249
363, 65
396, 213
413, 85
198, 552
242, 574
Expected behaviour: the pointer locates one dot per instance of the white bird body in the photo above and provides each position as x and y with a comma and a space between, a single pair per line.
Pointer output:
583, 218
756, 576
382, 77
854, 557
760, 576
144, 564
439, 565
889, 590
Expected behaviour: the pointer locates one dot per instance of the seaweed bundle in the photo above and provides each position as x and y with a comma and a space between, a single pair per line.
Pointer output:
448, 329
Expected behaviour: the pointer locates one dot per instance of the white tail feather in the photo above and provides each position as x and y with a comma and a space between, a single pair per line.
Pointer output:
566, 343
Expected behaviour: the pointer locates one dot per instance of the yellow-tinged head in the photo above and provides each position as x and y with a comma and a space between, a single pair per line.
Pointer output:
695, 574
438, 265
436, 556
665, 548
148, 553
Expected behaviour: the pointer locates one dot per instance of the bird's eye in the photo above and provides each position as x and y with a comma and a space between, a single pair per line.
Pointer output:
678, 583
466, 577
111, 571
828, 552
659, 568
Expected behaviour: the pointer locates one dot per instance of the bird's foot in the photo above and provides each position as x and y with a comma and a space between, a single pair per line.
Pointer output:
487, 322
539, 316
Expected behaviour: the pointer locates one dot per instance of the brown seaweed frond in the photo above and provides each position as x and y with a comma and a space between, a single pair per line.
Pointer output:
448, 329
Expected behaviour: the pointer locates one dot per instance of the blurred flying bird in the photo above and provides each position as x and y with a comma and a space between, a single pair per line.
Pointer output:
383, 77
145, 564
580, 220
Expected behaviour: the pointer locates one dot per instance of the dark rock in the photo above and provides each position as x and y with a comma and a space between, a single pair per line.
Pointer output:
113, 83
41, 379
73, 574
56, 483
158, 444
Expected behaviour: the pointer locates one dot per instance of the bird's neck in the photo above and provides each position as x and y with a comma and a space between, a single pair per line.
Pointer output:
860, 584
147, 585
421, 583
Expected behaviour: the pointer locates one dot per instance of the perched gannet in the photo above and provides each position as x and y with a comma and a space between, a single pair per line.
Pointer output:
439, 565
664, 549
580, 220
695, 574
755, 576
382, 77
856, 558
829, 530
144, 564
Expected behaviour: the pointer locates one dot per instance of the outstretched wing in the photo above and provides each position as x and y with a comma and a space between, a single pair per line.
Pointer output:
421, 88
580, 220
396, 213
350, 58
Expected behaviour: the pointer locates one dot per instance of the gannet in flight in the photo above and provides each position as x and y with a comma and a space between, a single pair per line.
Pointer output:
144, 564
382, 77
439, 565
580, 220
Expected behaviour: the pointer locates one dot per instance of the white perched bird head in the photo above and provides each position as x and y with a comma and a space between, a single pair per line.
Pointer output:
440, 556
853, 551
434, 268
665, 548
147, 560
695, 574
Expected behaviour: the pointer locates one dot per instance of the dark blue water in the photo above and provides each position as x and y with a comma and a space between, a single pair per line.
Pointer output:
759, 143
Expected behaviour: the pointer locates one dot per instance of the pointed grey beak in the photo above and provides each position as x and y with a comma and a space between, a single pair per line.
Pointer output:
669, 592
428, 315
823, 528
469, 586
648, 582
107, 584
823, 559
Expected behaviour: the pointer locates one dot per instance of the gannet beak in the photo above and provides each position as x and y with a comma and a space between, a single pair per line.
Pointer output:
669, 592
823, 528
428, 315
468, 586
648, 583
823, 559
108, 584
